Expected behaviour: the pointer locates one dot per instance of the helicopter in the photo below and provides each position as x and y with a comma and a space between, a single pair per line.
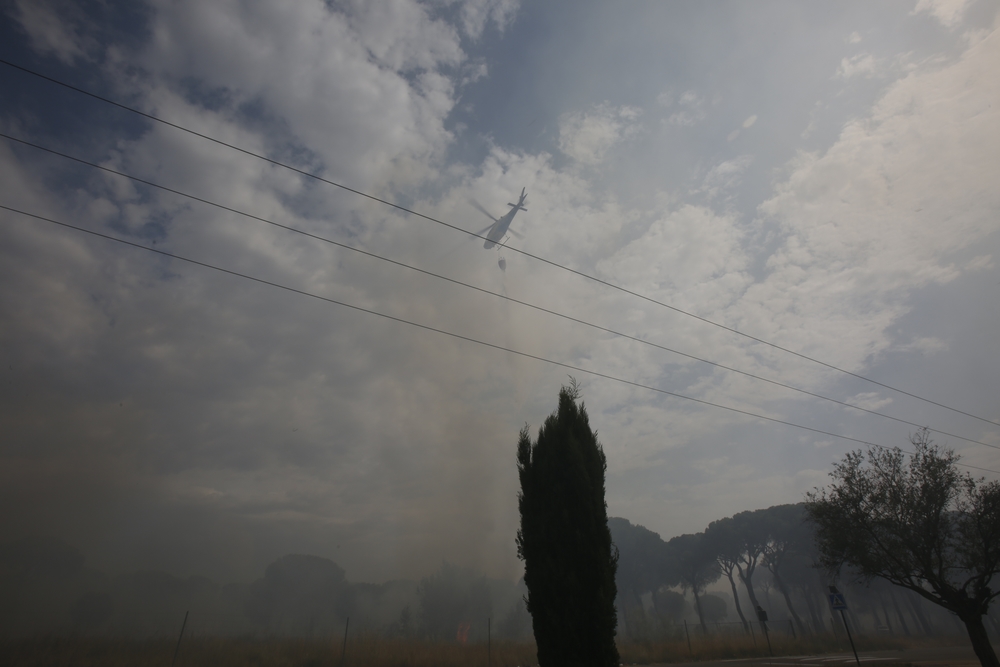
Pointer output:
497, 231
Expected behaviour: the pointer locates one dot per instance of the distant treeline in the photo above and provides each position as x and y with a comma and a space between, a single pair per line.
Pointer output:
46, 589
764, 557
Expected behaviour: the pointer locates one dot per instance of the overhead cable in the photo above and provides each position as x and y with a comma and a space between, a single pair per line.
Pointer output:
512, 248
486, 291
426, 327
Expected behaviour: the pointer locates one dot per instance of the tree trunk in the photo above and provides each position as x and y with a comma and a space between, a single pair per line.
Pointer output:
954, 619
981, 641
855, 621
885, 610
697, 606
631, 601
899, 613
747, 579
624, 616
736, 600
817, 622
767, 594
788, 603
993, 622
915, 601
878, 621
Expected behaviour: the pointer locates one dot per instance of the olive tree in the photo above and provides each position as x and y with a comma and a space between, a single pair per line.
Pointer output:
918, 523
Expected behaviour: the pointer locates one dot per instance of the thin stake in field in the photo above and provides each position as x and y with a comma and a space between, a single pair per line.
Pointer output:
181, 636
343, 653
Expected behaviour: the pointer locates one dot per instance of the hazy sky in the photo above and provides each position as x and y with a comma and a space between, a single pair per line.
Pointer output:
823, 176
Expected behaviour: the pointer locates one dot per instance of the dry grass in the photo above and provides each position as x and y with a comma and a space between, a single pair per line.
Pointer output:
270, 652
372, 651
735, 646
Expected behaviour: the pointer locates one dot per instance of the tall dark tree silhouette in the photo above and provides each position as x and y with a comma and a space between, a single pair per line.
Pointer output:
787, 535
751, 538
697, 567
723, 537
641, 556
919, 524
641, 566
564, 540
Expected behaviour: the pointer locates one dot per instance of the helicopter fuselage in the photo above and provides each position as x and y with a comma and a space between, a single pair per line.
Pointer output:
496, 233
499, 229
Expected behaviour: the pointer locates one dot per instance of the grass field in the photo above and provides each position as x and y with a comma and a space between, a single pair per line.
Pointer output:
727, 647
375, 651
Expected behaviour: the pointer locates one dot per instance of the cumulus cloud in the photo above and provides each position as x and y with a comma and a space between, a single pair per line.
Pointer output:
869, 400
691, 112
588, 136
210, 415
725, 176
54, 27
359, 92
688, 255
880, 213
745, 125
980, 263
476, 14
922, 345
360, 87
948, 12
862, 64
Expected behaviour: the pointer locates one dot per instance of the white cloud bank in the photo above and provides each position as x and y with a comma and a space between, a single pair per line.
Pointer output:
588, 136
883, 211
298, 426
948, 12
862, 64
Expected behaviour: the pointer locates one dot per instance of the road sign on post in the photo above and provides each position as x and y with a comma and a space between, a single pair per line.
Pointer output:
837, 601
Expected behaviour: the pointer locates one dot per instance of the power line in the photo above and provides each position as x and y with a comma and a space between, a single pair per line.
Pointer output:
489, 292
527, 355
512, 248
484, 291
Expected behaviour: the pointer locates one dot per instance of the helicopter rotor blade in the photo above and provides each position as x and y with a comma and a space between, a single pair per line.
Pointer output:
479, 207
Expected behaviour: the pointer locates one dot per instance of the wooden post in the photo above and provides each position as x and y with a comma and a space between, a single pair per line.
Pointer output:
179, 637
343, 653
489, 643
688, 635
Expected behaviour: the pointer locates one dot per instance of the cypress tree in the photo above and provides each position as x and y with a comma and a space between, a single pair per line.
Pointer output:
564, 540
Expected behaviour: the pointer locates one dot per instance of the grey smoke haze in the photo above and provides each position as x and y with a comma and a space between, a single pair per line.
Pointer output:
823, 177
